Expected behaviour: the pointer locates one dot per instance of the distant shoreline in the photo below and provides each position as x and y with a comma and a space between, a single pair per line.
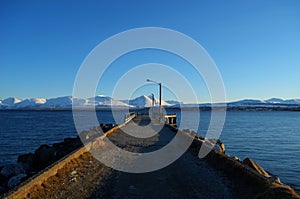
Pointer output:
237, 108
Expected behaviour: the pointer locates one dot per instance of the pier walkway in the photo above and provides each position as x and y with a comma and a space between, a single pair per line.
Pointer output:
82, 176
187, 177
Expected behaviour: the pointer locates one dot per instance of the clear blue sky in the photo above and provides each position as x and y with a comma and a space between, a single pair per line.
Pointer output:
255, 44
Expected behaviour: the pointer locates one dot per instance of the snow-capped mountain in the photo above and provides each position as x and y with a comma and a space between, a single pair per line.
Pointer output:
101, 100
246, 102
139, 102
64, 102
174, 102
61, 102
275, 101
11, 101
33, 102
282, 101
292, 101
145, 101
268, 102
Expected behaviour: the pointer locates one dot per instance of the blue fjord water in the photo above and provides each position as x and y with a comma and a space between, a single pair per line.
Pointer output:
270, 138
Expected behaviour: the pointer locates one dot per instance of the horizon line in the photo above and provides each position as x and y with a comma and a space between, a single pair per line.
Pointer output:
204, 102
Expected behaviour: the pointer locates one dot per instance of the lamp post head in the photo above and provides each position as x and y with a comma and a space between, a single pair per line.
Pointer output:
149, 80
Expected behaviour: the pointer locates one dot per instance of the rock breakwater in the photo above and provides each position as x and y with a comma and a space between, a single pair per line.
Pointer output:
45, 155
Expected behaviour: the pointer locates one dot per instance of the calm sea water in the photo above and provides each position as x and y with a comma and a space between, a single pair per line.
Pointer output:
270, 138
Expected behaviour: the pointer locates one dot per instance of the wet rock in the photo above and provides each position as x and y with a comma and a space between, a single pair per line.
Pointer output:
13, 181
279, 191
58, 145
3, 180
110, 126
26, 158
8, 170
43, 157
69, 145
61, 153
274, 177
249, 162
2, 189
25, 162
95, 132
46, 155
131, 187
221, 145
85, 136
237, 159
73, 143
70, 140
21, 168
218, 145
92, 134
104, 127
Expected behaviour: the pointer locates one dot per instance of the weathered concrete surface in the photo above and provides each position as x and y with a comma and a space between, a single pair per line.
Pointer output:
85, 177
187, 177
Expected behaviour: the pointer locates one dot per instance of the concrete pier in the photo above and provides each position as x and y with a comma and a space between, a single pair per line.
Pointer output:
80, 175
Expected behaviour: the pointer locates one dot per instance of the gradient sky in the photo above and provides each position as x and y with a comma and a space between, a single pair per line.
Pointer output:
255, 44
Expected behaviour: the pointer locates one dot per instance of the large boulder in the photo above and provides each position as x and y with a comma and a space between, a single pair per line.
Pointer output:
72, 143
278, 191
93, 133
3, 180
8, 170
2, 190
66, 147
46, 155
21, 168
25, 162
43, 157
250, 163
15, 180
26, 158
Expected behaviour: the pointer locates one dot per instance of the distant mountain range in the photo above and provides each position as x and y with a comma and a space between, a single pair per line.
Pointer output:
145, 101
269, 102
101, 101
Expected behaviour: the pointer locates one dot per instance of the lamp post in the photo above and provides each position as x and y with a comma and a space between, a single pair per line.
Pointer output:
149, 80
